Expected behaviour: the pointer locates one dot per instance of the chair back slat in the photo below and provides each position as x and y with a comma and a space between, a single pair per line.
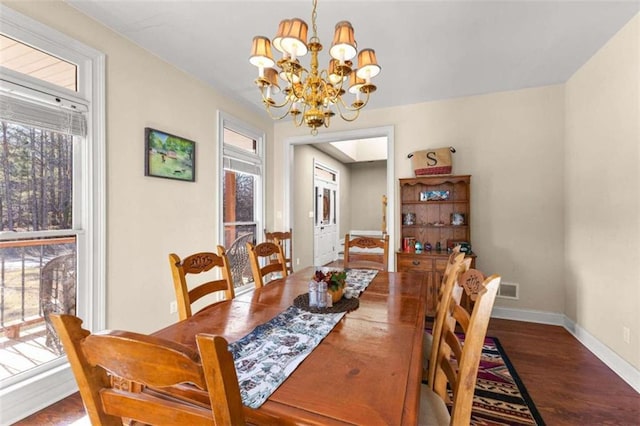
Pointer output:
373, 252
152, 410
195, 264
144, 359
262, 261
286, 241
455, 265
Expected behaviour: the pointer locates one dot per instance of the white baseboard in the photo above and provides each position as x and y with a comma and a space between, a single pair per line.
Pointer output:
25, 398
540, 317
621, 367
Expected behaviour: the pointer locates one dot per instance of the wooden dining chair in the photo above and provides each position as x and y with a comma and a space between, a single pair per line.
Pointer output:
458, 373
286, 240
456, 264
471, 282
118, 373
195, 264
369, 253
263, 267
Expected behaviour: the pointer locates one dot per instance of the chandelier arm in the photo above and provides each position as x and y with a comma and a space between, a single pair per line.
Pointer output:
276, 117
294, 117
352, 109
347, 118
272, 104
278, 106
340, 88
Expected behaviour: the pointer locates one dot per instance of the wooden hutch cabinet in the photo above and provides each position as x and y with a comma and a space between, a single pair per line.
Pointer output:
436, 212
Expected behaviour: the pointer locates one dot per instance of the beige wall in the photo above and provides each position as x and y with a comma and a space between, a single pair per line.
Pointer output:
511, 144
147, 218
368, 185
602, 187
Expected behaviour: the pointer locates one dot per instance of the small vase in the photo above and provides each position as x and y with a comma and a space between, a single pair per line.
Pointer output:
336, 295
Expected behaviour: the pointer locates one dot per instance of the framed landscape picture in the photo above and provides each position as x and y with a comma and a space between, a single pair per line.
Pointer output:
169, 156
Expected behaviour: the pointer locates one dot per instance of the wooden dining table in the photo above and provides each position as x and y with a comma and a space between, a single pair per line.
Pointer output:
366, 371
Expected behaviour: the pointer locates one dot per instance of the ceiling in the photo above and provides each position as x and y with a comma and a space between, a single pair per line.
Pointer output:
355, 151
428, 50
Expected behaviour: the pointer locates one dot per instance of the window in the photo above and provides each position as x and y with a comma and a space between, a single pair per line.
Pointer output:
51, 208
33, 62
241, 195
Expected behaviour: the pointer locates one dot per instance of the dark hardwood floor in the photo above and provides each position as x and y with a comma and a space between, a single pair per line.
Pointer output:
568, 384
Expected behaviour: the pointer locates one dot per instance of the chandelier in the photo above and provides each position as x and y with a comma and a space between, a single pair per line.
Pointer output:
310, 95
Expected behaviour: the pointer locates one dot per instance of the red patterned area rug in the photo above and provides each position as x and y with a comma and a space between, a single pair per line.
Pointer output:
500, 397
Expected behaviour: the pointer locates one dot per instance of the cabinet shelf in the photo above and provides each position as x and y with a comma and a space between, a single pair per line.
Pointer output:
433, 203
426, 212
425, 225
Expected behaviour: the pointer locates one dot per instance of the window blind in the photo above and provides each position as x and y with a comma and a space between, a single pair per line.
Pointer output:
240, 166
43, 116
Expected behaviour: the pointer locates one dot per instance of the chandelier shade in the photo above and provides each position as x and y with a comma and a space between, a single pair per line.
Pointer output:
272, 77
283, 28
261, 53
355, 83
310, 95
294, 41
343, 47
367, 64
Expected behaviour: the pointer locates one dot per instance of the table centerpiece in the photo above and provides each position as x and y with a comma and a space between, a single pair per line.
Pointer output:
335, 280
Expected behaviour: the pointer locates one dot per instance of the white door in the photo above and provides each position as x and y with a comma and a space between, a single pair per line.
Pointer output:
325, 235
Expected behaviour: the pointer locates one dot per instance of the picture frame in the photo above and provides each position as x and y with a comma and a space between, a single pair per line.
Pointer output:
169, 156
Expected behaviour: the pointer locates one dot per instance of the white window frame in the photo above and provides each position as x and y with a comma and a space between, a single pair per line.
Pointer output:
227, 121
55, 380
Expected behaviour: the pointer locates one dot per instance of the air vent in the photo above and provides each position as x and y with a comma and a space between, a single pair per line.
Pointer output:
509, 290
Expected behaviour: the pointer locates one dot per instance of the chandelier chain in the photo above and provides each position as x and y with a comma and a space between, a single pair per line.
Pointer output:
314, 15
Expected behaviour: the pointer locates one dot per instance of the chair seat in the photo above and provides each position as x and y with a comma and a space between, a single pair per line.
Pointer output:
427, 343
433, 410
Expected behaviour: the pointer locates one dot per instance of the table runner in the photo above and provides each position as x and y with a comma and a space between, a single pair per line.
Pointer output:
265, 357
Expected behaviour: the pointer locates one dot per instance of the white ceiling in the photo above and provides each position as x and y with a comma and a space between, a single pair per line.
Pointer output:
428, 50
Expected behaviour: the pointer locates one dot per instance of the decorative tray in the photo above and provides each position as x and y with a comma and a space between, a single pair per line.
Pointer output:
342, 305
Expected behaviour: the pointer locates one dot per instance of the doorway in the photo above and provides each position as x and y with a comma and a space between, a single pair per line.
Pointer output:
301, 217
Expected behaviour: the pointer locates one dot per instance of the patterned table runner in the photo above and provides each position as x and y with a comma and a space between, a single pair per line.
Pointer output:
265, 357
